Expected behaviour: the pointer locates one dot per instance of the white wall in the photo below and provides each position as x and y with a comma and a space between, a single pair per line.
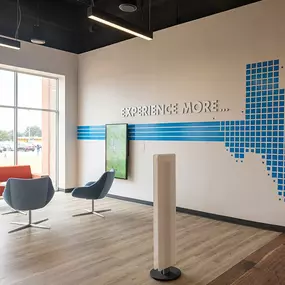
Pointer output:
200, 60
54, 62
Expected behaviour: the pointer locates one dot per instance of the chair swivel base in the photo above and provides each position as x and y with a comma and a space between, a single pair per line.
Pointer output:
29, 225
169, 274
88, 212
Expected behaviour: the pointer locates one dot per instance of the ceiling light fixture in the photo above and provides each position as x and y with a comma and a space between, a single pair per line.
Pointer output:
37, 37
118, 23
9, 42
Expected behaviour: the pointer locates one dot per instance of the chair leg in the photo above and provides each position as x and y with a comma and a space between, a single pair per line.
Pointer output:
19, 229
13, 212
29, 225
41, 221
82, 214
92, 212
97, 213
40, 227
17, 223
103, 211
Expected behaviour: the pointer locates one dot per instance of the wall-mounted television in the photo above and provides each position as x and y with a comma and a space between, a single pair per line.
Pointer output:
116, 149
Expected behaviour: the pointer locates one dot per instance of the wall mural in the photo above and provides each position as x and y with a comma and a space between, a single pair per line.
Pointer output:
262, 131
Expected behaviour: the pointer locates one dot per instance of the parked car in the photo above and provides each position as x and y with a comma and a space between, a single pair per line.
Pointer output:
6, 146
26, 147
11, 146
3, 147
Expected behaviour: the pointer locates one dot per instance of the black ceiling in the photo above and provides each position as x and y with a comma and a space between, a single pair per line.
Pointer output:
66, 26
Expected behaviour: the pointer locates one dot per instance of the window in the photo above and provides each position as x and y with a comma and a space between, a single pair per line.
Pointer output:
29, 122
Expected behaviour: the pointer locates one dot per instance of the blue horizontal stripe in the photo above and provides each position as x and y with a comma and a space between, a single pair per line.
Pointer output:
166, 129
90, 138
87, 128
91, 130
91, 133
178, 134
183, 131
180, 124
193, 139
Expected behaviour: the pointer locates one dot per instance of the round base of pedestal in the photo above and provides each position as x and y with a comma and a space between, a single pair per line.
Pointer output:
172, 273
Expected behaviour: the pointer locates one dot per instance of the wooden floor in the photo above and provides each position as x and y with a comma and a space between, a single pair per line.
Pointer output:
263, 267
118, 249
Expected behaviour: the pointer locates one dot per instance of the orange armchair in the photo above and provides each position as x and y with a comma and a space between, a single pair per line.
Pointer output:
18, 171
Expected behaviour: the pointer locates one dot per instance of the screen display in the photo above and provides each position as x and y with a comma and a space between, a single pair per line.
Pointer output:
116, 149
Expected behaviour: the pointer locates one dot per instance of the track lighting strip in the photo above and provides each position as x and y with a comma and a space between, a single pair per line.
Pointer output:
10, 43
118, 23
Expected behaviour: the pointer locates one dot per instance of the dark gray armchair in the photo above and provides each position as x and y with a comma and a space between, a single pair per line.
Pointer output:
28, 195
95, 191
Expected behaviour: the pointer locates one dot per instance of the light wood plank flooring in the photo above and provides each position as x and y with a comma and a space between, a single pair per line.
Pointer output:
118, 249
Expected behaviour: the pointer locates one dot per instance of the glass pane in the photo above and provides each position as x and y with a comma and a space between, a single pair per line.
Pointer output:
6, 88
6, 137
36, 92
37, 141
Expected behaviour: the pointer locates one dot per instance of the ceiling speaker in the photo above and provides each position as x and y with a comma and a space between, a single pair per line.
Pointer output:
128, 6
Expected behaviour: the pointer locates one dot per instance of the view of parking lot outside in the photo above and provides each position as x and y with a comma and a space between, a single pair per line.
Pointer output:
36, 128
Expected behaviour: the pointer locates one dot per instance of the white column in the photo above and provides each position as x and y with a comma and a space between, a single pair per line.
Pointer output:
164, 187
164, 230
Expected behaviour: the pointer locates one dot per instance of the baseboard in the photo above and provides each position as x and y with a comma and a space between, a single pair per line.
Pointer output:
67, 190
148, 203
258, 225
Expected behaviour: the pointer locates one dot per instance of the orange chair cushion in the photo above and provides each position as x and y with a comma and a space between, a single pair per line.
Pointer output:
1, 190
19, 171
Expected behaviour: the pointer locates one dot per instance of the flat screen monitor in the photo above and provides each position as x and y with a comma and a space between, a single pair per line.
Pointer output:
116, 149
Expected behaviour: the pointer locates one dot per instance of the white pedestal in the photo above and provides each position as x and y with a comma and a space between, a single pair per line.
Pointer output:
164, 190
